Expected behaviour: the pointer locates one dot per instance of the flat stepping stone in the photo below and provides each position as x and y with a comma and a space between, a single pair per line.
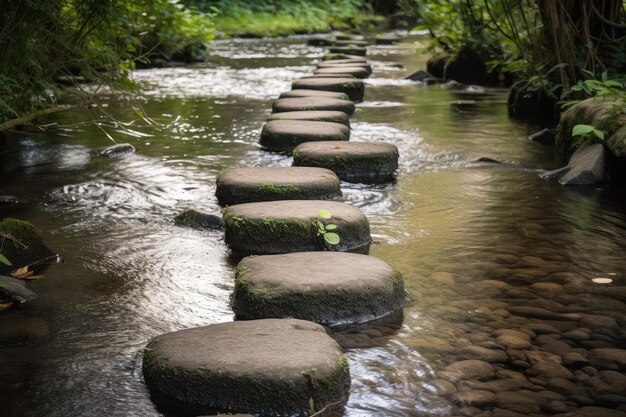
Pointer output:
265, 367
313, 103
348, 50
352, 77
353, 88
348, 42
284, 135
357, 72
313, 116
290, 226
349, 288
362, 162
334, 64
251, 184
313, 93
343, 57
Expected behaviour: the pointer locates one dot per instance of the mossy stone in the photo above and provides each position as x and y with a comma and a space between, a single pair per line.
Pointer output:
313, 93
27, 248
357, 72
313, 103
361, 162
251, 184
325, 287
351, 42
262, 367
284, 135
333, 116
289, 226
340, 64
355, 89
348, 50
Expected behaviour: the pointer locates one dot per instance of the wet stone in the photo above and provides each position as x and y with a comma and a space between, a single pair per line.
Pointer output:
288, 226
472, 369
608, 358
343, 57
199, 219
345, 63
524, 401
475, 398
357, 72
483, 354
365, 162
512, 339
442, 387
252, 184
333, 116
353, 88
349, 42
348, 50
261, 366
545, 371
285, 135
313, 104
593, 412
117, 151
313, 93
537, 356
350, 288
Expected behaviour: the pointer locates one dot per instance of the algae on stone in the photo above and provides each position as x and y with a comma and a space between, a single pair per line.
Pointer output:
22, 244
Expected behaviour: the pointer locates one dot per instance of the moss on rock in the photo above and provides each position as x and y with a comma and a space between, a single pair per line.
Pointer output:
22, 244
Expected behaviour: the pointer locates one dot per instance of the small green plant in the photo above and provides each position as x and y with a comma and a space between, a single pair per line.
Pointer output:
583, 132
326, 230
3, 258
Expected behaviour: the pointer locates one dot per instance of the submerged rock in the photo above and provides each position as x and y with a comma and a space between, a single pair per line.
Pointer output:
586, 166
8, 200
201, 220
545, 136
419, 76
117, 151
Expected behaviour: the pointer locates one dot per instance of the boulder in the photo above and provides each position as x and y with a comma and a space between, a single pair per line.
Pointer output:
333, 116
587, 166
313, 104
267, 367
292, 226
353, 88
313, 93
23, 246
15, 291
324, 287
360, 162
198, 219
251, 184
284, 135
420, 76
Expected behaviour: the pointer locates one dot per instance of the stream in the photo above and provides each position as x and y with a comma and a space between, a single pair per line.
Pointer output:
487, 250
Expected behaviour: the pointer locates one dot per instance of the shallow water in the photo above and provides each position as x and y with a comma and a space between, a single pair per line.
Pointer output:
448, 224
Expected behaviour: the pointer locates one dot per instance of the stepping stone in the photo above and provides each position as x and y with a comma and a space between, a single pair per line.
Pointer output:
290, 226
353, 88
348, 50
284, 135
319, 42
251, 184
265, 367
313, 93
347, 37
335, 64
349, 42
313, 103
363, 162
357, 72
313, 116
349, 288
343, 57
352, 77
349, 61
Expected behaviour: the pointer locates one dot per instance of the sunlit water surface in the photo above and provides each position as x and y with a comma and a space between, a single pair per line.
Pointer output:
448, 223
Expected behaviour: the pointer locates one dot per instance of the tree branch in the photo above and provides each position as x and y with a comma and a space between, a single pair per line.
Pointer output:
31, 116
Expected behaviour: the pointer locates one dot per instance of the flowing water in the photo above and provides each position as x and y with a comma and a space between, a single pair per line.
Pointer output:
483, 247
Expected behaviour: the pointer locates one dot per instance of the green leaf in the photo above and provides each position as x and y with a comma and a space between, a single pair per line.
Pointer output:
580, 130
599, 134
324, 214
4, 260
332, 238
331, 226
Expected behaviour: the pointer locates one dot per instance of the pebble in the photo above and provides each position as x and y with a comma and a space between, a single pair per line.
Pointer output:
483, 354
475, 398
524, 401
537, 356
472, 369
608, 358
547, 370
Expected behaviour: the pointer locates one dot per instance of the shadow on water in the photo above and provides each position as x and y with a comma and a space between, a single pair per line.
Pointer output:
485, 248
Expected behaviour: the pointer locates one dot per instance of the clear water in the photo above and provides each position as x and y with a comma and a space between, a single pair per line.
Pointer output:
130, 274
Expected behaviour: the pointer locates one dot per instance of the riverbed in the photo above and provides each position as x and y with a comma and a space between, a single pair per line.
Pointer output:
484, 247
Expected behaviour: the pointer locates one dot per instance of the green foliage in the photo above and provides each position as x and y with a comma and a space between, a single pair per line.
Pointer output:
44, 44
4, 260
327, 231
282, 17
583, 133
